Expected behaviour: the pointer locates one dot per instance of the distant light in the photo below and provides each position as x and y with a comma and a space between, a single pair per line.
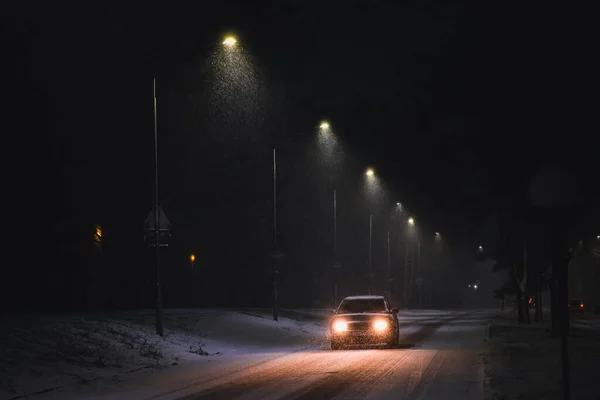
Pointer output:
474, 286
437, 234
398, 204
324, 125
598, 237
411, 221
370, 172
192, 258
98, 235
480, 247
230, 41
469, 285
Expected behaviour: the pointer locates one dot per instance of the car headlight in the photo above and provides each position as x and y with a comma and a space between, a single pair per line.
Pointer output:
340, 326
380, 325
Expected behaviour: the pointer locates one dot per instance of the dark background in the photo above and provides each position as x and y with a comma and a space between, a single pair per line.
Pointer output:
454, 105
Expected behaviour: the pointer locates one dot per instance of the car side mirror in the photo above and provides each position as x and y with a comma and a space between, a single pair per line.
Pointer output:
394, 311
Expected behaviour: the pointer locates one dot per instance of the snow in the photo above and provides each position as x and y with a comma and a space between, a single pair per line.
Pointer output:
364, 297
87, 355
46, 353
524, 362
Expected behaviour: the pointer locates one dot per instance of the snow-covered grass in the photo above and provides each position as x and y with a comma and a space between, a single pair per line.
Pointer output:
523, 362
43, 353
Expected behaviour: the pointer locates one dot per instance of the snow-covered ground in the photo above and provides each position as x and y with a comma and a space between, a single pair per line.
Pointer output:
50, 356
40, 354
524, 362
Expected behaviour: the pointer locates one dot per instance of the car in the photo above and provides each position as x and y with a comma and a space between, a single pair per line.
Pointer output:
364, 320
576, 307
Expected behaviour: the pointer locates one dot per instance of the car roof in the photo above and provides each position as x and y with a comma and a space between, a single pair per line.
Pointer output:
364, 297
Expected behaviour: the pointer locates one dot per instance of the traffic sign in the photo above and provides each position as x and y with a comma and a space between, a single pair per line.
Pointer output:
164, 228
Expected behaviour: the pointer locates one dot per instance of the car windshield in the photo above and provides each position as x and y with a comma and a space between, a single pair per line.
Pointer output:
362, 306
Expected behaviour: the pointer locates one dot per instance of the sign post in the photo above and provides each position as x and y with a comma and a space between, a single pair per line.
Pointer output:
157, 236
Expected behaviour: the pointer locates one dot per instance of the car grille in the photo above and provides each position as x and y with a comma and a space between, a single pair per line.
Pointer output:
359, 326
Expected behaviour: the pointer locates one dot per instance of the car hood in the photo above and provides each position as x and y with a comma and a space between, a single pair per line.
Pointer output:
363, 316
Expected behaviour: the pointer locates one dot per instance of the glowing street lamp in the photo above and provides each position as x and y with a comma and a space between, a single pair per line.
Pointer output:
411, 221
192, 259
230, 41
324, 125
480, 248
370, 173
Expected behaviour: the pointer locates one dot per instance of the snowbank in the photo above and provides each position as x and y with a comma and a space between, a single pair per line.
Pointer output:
39, 354
523, 362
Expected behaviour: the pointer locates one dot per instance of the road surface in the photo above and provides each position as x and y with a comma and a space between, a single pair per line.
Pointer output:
440, 358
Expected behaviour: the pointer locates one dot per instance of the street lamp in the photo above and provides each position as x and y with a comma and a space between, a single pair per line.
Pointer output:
480, 248
192, 259
370, 174
327, 145
229, 41
411, 221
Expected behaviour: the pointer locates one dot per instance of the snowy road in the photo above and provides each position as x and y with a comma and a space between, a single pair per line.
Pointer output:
441, 358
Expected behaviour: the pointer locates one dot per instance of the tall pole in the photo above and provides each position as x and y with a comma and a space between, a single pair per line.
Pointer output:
370, 249
159, 311
334, 225
275, 310
389, 264
420, 273
335, 273
407, 276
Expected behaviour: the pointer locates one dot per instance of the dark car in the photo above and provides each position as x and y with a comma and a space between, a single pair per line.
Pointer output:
364, 320
576, 307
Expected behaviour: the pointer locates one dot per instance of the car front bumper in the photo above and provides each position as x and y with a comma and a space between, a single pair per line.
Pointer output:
362, 337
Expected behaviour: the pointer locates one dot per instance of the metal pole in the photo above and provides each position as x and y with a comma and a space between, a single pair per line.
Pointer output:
159, 311
406, 275
335, 273
370, 248
420, 273
275, 310
334, 225
274, 200
389, 265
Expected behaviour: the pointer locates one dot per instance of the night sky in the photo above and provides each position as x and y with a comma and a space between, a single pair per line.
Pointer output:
452, 104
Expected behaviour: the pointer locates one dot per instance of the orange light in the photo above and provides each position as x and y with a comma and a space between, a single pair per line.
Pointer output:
98, 235
192, 258
581, 305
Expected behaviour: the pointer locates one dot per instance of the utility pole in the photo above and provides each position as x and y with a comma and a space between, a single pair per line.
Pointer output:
335, 260
159, 310
389, 265
276, 273
370, 250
